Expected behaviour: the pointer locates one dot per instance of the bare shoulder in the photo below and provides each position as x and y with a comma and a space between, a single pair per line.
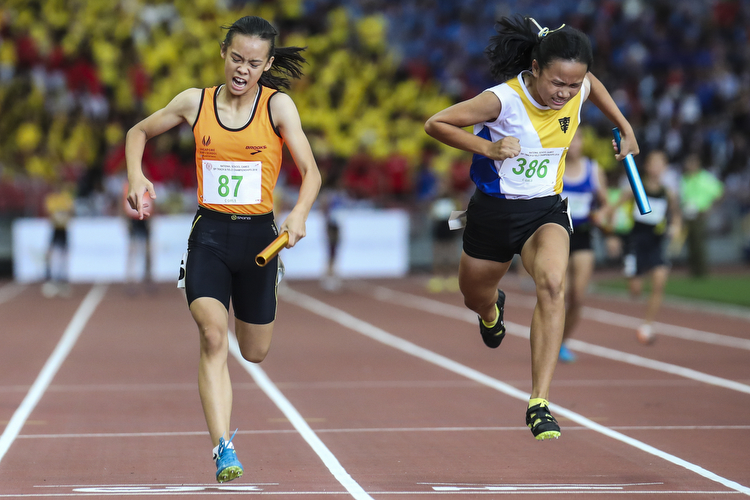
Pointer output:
283, 110
187, 101
281, 101
485, 107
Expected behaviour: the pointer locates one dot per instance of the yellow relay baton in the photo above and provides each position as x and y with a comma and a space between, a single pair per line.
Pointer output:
272, 250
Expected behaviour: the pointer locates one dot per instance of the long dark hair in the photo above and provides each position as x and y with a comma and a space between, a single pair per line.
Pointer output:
519, 41
287, 62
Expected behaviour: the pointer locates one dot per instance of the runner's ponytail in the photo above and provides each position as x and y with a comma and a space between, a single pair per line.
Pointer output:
520, 40
287, 63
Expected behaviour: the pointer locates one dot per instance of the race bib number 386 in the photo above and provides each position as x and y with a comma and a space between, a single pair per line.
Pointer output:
530, 174
232, 183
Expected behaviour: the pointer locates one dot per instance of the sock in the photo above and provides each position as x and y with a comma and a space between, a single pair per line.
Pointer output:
536, 401
494, 322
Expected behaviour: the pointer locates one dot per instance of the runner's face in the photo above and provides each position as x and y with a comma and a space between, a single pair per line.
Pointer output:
245, 60
557, 83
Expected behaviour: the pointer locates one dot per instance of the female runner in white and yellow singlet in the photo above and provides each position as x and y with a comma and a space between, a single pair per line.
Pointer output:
522, 129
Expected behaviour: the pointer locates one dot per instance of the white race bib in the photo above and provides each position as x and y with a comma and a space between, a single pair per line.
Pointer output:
531, 174
658, 212
232, 182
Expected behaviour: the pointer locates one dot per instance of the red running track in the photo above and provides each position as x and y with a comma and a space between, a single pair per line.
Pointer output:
379, 391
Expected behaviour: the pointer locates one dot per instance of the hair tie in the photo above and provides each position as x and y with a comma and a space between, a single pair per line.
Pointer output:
544, 31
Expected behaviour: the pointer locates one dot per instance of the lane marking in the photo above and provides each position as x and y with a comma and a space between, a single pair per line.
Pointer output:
299, 423
10, 291
680, 332
439, 308
680, 303
545, 485
633, 359
434, 489
374, 384
356, 430
155, 485
311, 494
63, 348
347, 320
600, 315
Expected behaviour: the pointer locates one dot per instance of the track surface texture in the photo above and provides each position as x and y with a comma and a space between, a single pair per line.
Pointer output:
378, 391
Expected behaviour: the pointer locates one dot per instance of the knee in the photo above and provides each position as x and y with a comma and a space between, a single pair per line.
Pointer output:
477, 303
657, 288
254, 354
550, 285
213, 339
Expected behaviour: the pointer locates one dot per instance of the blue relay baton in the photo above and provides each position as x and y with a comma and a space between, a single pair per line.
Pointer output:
634, 177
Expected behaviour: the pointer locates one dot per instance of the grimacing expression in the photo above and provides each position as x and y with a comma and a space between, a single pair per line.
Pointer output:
245, 60
558, 82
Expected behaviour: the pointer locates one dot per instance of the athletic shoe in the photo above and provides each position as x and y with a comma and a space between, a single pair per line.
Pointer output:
493, 336
227, 465
566, 355
645, 334
541, 422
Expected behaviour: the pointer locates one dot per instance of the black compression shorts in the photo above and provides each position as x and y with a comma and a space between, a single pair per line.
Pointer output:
581, 239
644, 251
497, 228
221, 263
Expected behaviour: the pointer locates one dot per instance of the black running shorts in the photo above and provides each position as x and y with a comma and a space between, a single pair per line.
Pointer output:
497, 228
645, 251
581, 238
221, 263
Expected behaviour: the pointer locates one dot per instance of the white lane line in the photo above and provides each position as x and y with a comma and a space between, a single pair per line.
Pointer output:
660, 428
224, 490
461, 313
290, 412
63, 348
347, 385
347, 320
434, 489
10, 290
680, 332
624, 321
680, 371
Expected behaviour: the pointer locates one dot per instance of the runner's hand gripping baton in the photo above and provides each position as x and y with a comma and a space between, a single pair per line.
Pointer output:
272, 250
635, 179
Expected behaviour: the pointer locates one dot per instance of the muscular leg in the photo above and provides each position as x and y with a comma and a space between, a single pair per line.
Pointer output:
478, 281
580, 269
214, 385
254, 340
545, 257
635, 286
658, 281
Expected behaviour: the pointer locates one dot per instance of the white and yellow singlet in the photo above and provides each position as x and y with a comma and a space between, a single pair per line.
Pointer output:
544, 135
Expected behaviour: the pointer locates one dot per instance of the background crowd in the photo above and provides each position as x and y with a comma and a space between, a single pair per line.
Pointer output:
75, 75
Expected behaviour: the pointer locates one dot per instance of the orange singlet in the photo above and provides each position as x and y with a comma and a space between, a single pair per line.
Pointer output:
237, 169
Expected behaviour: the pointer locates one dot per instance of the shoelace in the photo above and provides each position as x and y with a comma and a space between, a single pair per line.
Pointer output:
223, 445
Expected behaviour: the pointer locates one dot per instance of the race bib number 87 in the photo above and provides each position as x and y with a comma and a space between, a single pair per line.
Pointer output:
530, 174
232, 183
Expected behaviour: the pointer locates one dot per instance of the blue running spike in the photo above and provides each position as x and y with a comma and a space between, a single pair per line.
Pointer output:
228, 467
